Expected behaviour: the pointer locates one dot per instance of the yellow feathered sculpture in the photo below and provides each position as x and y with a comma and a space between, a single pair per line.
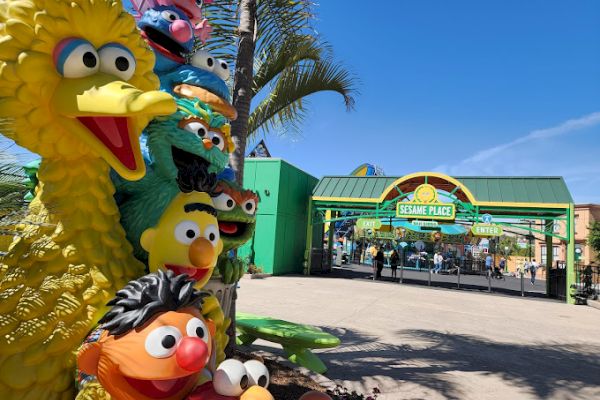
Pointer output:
76, 87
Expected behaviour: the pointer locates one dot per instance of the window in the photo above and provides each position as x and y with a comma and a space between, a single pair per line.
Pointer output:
555, 253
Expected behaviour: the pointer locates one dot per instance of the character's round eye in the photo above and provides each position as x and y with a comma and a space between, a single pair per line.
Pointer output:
170, 16
196, 127
222, 69
212, 234
217, 140
223, 202
249, 206
162, 341
257, 373
76, 58
203, 60
231, 378
117, 60
199, 3
197, 328
186, 232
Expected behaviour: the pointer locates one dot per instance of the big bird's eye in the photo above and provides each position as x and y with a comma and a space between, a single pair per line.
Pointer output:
186, 232
117, 60
217, 139
76, 58
196, 128
162, 341
212, 234
249, 206
203, 60
170, 16
197, 328
222, 69
258, 374
231, 378
223, 202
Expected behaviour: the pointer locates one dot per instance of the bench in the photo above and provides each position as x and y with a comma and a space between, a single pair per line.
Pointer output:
297, 340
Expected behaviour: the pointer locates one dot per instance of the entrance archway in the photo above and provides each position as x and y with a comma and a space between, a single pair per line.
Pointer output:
508, 201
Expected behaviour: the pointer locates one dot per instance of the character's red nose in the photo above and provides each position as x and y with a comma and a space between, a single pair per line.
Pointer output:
192, 354
181, 30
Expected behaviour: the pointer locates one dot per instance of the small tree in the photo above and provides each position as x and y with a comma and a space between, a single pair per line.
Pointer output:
593, 238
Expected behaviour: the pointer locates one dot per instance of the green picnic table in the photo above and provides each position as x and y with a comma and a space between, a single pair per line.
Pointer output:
296, 339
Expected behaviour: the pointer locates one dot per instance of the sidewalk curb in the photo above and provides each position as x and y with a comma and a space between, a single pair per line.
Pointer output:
594, 304
320, 379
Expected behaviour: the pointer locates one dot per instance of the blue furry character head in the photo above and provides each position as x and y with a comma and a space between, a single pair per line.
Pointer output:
170, 34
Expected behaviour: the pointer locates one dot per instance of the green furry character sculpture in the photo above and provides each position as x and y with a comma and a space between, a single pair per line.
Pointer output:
236, 213
194, 138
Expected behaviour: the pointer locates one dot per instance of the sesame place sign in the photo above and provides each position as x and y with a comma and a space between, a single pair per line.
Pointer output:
425, 205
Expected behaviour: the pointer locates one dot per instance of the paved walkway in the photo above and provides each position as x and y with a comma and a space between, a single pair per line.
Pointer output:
425, 343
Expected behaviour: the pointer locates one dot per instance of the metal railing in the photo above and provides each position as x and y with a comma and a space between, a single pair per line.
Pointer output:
587, 282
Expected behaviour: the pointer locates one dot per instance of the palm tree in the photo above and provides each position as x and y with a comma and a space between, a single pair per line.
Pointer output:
279, 59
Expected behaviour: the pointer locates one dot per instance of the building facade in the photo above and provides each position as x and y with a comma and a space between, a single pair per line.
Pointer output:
585, 215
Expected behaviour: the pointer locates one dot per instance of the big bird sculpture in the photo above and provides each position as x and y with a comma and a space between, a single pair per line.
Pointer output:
76, 87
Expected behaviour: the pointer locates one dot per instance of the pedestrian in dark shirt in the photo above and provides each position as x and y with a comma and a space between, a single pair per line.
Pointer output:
379, 262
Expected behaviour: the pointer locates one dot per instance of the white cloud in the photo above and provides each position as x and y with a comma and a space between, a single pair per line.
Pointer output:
548, 151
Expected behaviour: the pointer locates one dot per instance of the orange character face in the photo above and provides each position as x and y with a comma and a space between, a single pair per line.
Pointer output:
160, 360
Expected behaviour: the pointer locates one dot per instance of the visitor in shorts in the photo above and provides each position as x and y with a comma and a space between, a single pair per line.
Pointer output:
394, 261
532, 270
488, 263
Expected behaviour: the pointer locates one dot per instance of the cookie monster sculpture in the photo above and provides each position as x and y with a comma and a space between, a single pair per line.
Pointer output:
76, 87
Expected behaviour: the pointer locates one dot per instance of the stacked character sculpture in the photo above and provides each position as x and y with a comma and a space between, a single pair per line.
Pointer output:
78, 85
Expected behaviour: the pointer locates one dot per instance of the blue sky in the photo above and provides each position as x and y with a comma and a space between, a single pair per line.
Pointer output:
463, 87
466, 87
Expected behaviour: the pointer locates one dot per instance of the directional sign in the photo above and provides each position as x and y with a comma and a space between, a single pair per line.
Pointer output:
368, 223
487, 218
486, 230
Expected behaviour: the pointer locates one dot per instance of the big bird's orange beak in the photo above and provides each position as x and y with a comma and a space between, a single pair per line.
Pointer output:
110, 117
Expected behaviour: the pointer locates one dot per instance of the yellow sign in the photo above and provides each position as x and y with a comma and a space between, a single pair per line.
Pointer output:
425, 205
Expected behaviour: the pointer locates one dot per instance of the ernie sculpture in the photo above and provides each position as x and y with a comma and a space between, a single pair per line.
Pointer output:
153, 343
76, 87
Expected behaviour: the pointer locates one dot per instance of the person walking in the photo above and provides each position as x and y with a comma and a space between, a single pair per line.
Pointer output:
437, 262
503, 264
533, 266
488, 263
379, 262
394, 261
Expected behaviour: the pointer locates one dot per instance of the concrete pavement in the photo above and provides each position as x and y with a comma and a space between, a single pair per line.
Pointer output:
426, 343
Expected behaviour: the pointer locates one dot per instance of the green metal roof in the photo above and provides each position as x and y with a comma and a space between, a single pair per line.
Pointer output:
518, 189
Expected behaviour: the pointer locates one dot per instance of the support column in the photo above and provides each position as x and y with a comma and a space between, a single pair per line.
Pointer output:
330, 239
549, 252
309, 239
570, 254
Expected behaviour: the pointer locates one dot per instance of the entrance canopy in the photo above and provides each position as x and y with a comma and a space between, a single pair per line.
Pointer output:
545, 193
535, 204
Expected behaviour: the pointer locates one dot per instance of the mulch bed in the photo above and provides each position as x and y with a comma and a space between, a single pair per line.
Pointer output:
286, 383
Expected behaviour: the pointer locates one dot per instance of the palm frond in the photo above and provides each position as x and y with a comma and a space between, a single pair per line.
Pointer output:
284, 107
295, 50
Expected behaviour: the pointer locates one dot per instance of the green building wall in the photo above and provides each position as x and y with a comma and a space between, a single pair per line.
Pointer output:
280, 239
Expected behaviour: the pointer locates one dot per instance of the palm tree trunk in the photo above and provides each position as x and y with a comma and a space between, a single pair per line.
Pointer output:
242, 96
242, 84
